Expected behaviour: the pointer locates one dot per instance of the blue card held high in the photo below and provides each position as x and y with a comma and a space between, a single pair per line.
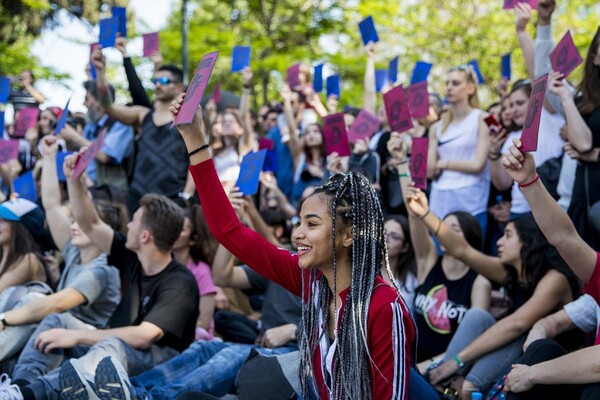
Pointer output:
333, 85
250, 168
318, 78
240, 58
367, 30
421, 72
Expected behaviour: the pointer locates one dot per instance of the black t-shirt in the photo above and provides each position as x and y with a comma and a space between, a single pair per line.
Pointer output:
440, 305
168, 299
280, 306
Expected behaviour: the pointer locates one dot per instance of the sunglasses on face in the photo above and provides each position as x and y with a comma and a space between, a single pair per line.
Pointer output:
163, 81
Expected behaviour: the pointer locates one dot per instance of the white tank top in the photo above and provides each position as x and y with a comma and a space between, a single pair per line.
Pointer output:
459, 142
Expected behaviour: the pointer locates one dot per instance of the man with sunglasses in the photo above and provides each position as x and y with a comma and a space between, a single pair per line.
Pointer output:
160, 162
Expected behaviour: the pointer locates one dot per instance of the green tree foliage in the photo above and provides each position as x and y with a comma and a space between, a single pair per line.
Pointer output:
443, 32
21, 21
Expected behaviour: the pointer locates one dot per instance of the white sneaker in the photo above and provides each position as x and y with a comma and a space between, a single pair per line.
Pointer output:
9, 391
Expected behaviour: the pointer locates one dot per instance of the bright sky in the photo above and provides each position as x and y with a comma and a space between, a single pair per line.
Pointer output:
66, 49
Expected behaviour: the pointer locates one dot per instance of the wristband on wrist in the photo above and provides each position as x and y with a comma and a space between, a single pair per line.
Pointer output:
494, 156
458, 361
537, 178
198, 150
422, 217
405, 175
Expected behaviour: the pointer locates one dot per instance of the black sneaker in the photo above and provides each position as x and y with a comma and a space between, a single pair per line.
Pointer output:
73, 386
112, 381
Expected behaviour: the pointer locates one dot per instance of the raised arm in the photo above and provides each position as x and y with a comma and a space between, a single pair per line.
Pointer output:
247, 139
425, 252
127, 115
136, 89
523, 13
370, 94
56, 216
500, 179
225, 274
454, 244
84, 211
554, 223
477, 163
432, 154
580, 134
252, 249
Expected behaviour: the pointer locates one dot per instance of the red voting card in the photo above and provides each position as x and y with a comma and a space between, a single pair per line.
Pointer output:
9, 150
418, 100
335, 135
88, 155
217, 93
418, 162
565, 57
150, 43
397, 110
293, 76
492, 122
196, 89
510, 4
363, 127
531, 128
26, 119
264, 143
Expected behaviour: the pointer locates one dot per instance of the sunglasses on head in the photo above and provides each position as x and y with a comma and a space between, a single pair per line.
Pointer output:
162, 80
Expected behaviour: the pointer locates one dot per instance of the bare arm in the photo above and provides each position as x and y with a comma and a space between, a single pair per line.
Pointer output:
481, 293
370, 94
84, 211
500, 179
554, 223
455, 244
523, 13
549, 327
425, 252
477, 163
127, 115
207, 310
247, 140
294, 143
72, 136
225, 274
57, 219
140, 337
432, 155
34, 92
20, 272
37, 310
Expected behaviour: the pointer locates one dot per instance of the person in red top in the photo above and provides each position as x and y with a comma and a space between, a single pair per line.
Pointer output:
356, 332
583, 366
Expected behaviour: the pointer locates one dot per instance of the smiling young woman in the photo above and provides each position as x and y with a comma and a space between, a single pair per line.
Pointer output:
356, 331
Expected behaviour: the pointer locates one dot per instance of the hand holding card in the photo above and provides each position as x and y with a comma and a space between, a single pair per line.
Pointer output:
529, 137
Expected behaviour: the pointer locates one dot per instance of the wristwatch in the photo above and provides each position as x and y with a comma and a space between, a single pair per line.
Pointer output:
3, 320
185, 196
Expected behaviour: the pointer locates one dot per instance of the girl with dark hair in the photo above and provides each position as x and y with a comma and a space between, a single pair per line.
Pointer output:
402, 256
447, 287
356, 331
538, 282
196, 248
310, 165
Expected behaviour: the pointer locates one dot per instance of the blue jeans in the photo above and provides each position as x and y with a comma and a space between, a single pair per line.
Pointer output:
206, 366
419, 388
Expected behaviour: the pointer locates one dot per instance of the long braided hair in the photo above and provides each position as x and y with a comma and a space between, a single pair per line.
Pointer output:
352, 202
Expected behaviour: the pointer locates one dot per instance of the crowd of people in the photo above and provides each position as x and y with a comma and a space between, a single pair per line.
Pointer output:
152, 276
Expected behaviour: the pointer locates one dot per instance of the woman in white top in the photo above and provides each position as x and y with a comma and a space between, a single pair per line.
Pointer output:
550, 145
458, 148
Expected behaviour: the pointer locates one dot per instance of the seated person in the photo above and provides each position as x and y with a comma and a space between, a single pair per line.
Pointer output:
89, 288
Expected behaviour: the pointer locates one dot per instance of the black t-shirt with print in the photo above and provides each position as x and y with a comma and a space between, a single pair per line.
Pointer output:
168, 299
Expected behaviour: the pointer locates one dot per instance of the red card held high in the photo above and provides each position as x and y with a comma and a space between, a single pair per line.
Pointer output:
335, 135
397, 110
26, 119
565, 57
418, 162
531, 128
510, 4
363, 126
418, 100
88, 155
9, 150
150, 43
196, 89
292, 77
